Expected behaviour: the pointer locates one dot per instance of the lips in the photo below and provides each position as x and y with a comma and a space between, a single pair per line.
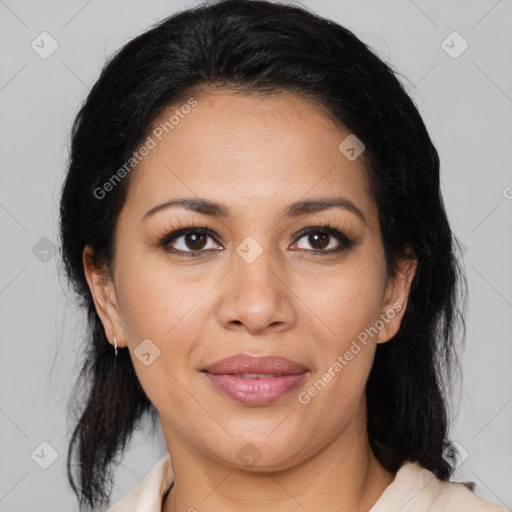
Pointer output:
263, 365
255, 381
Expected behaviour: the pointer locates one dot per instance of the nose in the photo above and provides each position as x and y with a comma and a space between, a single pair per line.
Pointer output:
256, 297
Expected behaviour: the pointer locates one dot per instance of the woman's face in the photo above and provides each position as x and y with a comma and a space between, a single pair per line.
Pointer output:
256, 284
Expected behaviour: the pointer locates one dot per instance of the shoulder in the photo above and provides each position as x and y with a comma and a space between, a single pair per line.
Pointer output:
416, 489
147, 496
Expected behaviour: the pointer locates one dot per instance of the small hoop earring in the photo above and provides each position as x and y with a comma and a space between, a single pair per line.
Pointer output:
115, 346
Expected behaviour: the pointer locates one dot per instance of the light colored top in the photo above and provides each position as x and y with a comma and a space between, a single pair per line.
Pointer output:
414, 489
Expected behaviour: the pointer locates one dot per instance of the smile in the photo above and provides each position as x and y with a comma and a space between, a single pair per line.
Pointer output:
255, 381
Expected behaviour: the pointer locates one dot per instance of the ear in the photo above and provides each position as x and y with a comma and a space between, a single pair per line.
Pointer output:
104, 296
395, 299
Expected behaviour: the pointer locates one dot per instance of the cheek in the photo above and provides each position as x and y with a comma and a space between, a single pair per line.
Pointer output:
153, 300
346, 301
156, 306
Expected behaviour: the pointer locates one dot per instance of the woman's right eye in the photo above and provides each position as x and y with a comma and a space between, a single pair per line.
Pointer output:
188, 241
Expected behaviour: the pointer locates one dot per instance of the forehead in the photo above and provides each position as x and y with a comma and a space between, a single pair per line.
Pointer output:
252, 152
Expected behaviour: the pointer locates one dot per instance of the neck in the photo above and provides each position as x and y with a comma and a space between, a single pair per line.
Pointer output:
343, 476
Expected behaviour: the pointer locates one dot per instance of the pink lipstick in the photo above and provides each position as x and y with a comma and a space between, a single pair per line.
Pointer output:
255, 380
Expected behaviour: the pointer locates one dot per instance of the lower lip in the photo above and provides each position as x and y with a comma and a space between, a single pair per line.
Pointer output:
255, 391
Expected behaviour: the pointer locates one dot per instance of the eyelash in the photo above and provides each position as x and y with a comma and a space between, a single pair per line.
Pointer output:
168, 236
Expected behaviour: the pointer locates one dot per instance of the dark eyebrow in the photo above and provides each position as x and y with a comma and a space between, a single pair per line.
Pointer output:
214, 209
211, 208
317, 205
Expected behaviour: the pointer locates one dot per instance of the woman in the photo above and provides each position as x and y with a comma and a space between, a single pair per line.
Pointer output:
252, 216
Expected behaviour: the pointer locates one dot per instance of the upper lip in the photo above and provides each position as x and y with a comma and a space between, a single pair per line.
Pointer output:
245, 363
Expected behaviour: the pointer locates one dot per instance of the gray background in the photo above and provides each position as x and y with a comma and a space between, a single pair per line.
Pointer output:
466, 103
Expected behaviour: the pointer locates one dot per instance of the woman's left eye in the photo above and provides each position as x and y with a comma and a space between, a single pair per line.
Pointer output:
322, 239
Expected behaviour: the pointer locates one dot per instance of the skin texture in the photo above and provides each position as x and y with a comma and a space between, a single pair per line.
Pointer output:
255, 155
